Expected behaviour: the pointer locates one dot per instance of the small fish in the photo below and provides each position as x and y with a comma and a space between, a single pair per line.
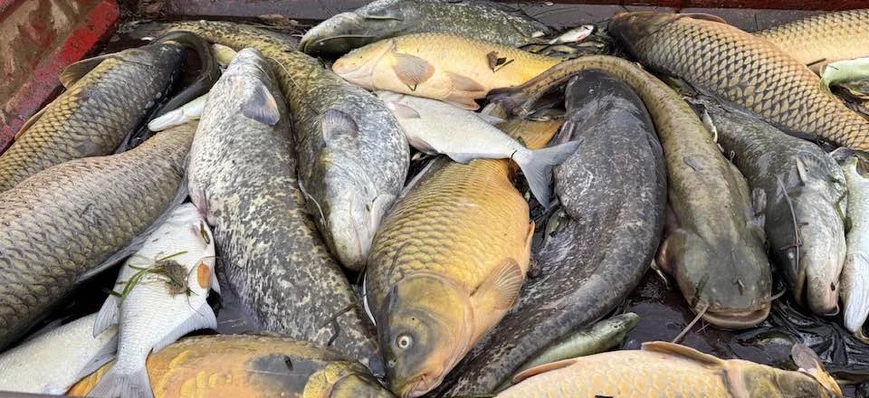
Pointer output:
186, 113
436, 127
841, 72
573, 35
160, 296
447, 67
223, 54
52, 362
854, 282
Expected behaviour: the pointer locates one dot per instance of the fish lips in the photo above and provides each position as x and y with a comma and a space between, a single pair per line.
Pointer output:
735, 319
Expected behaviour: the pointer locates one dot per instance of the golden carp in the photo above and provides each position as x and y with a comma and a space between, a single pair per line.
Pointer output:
442, 66
823, 38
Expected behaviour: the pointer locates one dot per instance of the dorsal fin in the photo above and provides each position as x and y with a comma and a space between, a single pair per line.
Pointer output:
76, 71
29, 123
682, 351
703, 16
542, 369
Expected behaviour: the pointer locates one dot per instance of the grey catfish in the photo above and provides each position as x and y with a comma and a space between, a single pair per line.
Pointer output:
615, 185
801, 192
383, 19
243, 179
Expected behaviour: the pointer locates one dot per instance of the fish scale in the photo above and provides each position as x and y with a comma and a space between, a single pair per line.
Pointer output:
823, 38
87, 209
749, 71
94, 115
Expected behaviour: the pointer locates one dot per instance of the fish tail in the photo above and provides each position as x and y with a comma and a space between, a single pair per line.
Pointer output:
537, 167
856, 305
124, 385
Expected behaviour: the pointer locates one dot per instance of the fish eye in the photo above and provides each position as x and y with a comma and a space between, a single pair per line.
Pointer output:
404, 341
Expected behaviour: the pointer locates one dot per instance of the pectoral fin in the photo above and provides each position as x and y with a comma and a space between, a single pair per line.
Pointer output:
336, 123
402, 111
262, 107
411, 70
501, 289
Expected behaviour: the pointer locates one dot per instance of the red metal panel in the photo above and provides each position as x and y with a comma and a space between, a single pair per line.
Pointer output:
41, 38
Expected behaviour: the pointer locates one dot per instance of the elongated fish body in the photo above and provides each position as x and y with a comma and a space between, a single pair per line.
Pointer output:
442, 66
95, 113
154, 308
353, 157
800, 190
435, 127
242, 177
746, 70
51, 363
714, 245
854, 287
823, 38
597, 246
382, 19
662, 369
250, 366
67, 222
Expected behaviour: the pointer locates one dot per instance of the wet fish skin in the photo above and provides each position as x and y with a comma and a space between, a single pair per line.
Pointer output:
53, 362
823, 38
442, 66
242, 177
61, 224
383, 19
711, 218
95, 114
771, 161
662, 369
353, 158
854, 286
594, 251
161, 306
248, 366
751, 72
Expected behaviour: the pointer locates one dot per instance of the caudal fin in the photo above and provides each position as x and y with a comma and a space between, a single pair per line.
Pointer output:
856, 305
537, 167
127, 385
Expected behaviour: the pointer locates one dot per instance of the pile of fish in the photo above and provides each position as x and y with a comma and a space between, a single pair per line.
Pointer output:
549, 177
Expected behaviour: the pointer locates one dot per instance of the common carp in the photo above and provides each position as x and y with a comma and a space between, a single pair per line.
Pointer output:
714, 245
353, 158
243, 180
854, 287
749, 71
662, 369
382, 19
447, 67
250, 366
800, 191
823, 38
596, 246
71, 221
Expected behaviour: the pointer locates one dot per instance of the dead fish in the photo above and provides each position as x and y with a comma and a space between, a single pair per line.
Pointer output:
441, 66
854, 286
495, 22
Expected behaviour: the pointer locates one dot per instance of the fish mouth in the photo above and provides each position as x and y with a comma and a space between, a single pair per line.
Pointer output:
418, 386
736, 319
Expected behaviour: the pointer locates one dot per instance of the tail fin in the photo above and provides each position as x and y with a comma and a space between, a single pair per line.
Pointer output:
117, 385
856, 306
537, 167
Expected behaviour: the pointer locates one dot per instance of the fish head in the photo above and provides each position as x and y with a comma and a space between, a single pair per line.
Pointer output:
424, 330
765, 381
630, 28
737, 299
358, 66
357, 384
349, 30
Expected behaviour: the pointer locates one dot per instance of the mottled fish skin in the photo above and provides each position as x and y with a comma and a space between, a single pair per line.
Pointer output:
353, 157
95, 114
68, 219
713, 245
242, 176
382, 19
855, 272
823, 38
741, 68
250, 366
597, 246
662, 369
770, 160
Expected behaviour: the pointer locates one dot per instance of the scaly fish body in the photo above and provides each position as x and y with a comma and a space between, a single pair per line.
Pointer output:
445, 266
96, 112
800, 190
662, 370
250, 366
353, 158
63, 223
441, 66
383, 19
53, 362
713, 245
854, 287
823, 38
242, 177
749, 71
597, 246
160, 296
